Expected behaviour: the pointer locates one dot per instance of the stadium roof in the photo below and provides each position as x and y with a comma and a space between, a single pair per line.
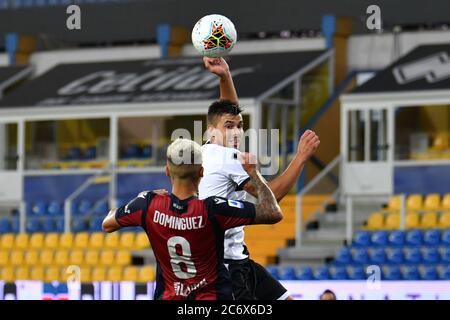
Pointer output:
11, 75
155, 81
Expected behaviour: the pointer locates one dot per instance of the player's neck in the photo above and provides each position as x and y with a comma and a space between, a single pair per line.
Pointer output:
184, 190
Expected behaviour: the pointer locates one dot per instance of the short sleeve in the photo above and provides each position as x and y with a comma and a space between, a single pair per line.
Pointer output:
133, 213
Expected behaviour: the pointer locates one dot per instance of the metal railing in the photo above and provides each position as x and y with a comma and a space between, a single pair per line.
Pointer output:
299, 197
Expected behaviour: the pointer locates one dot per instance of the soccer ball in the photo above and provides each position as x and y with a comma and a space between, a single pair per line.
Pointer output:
214, 36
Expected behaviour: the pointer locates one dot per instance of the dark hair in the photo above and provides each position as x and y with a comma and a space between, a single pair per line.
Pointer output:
328, 291
221, 107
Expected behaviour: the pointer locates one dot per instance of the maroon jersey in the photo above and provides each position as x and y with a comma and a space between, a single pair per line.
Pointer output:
187, 239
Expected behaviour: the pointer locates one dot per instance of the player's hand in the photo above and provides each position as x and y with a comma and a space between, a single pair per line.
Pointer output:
308, 144
161, 192
218, 66
248, 162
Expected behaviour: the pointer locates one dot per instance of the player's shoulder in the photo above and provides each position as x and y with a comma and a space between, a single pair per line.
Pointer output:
215, 201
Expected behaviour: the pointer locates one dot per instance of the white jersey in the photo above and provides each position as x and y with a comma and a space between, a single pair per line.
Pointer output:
222, 176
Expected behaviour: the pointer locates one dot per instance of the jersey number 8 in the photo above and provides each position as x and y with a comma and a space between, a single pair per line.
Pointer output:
184, 257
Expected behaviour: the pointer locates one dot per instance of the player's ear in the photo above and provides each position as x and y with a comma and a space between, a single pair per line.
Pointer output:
167, 171
200, 172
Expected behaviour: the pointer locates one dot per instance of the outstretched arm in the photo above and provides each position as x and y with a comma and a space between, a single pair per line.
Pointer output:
219, 67
280, 186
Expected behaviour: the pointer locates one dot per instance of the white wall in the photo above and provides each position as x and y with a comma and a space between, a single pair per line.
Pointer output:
3, 59
376, 51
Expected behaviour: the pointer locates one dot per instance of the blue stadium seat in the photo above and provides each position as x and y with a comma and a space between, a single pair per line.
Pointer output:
379, 238
361, 239
432, 237
396, 238
32, 225
48, 225
90, 153
305, 273
79, 225
5, 225
83, 207
429, 273
95, 224
445, 275
356, 273
414, 238
74, 153
338, 273
360, 256
288, 273
343, 257
131, 151
413, 255
39, 208
446, 237
321, 273
411, 273
431, 255
15, 225
445, 255
392, 273
377, 256
55, 209
394, 256
147, 151
59, 224
273, 270
101, 208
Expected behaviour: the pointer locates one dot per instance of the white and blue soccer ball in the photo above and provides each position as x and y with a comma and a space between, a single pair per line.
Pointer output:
214, 36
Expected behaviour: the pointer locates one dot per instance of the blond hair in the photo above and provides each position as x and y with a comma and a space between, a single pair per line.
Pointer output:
184, 158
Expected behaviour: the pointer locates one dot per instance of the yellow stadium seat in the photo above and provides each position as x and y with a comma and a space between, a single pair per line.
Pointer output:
146, 274
446, 202
412, 220
141, 241
21, 241
52, 274
37, 273
114, 274
96, 240
444, 220
8, 274
112, 240
392, 221
37, 241
46, 257
76, 257
375, 221
429, 220
4, 257
98, 274
107, 257
91, 258
81, 240
16, 257
127, 240
394, 203
414, 202
7, 241
31, 258
432, 202
51, 240
22, 273
66, 241
85, 274
61, 258
123, 257
130, 273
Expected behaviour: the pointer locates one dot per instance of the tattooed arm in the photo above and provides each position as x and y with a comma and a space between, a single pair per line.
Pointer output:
267, 209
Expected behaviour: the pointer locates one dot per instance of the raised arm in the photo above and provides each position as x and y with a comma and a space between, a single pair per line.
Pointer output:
267, 209
219, 67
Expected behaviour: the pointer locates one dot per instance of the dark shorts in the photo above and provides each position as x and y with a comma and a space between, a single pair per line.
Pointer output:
251, 281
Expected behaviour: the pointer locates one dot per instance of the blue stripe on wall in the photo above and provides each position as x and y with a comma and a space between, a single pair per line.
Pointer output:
422, 179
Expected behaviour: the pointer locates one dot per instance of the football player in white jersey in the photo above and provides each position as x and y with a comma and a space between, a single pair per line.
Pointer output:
224, 177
